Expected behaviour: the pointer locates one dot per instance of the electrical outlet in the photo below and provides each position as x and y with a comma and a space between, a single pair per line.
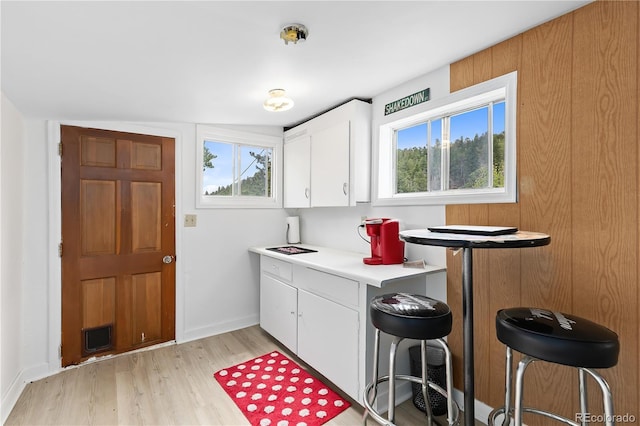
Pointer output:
190, 220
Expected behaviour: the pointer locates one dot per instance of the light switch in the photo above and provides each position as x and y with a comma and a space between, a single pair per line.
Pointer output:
190, 220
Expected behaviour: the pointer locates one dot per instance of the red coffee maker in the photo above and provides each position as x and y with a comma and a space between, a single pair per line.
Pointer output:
386, 247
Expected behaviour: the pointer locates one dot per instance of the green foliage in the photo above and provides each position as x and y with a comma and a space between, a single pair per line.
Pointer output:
467, 159
468, 165
257, 185
412, 170
498, 160
222, 190
207, 159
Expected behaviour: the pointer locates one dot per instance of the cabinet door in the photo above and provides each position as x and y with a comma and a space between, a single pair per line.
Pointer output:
328, 340
330, 166
297, 160
278, 310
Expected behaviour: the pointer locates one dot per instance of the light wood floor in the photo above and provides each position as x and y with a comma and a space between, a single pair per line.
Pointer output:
172, 385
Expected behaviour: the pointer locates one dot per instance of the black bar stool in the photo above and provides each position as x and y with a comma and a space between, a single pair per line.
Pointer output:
543, 335
409, 316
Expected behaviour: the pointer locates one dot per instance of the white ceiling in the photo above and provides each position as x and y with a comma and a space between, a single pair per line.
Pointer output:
214, 61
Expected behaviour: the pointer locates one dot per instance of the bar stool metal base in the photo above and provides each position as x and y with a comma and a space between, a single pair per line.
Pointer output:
369, 410
370, 392
518, 409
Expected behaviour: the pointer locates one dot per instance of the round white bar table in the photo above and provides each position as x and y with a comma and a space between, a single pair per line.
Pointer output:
467, 242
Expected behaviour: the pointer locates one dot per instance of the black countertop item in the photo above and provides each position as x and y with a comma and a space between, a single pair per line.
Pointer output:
289, 250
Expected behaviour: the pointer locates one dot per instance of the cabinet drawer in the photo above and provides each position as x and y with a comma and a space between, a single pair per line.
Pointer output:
277, 268
333, 287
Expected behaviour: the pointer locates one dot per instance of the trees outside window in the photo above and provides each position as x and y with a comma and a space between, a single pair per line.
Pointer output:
238, 169
462, 150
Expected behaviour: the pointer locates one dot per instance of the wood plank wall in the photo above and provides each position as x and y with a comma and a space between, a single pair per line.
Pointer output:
578, 180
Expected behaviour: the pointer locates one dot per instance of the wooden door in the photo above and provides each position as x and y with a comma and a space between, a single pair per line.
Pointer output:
118, 285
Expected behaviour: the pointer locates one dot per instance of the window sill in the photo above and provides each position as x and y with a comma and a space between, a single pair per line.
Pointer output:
449, 197
236, 203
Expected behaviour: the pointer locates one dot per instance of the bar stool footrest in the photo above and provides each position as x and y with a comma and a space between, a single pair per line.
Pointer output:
381, 420
500, 410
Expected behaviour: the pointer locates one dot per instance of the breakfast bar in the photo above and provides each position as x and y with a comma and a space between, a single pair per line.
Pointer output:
467, 238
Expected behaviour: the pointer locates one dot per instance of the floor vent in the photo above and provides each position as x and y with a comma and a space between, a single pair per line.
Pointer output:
97, 339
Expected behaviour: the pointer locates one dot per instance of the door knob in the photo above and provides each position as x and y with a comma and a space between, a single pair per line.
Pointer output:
167, 259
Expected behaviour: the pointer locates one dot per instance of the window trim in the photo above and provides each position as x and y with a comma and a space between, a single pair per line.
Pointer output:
238, 137
479, 94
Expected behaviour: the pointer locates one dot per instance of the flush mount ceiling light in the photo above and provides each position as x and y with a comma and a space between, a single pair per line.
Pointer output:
294, 33
278, 101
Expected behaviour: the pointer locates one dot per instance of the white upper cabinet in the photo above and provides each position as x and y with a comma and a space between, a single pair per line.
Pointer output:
297, 174
330, 166
327, 160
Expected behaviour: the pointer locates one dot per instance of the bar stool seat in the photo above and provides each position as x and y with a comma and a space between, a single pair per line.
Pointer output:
567, 341
409, 316
552, 336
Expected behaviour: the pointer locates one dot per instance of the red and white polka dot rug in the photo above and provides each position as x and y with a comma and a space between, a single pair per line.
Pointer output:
272, 390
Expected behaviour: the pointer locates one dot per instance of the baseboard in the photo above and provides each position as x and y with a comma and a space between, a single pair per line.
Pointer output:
11, 397
41, 371
17, 386
219, 328
482, 410
403, 393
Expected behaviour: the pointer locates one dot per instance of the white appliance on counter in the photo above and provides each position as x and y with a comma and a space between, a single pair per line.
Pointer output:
293, 230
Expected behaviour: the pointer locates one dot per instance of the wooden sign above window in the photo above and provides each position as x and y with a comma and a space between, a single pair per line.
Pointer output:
407, 101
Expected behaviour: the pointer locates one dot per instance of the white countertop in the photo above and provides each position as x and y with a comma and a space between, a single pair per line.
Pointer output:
347, 264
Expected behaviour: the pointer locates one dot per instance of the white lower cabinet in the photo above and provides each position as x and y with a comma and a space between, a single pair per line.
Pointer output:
279, 310
307, 313
328, 339
317, 305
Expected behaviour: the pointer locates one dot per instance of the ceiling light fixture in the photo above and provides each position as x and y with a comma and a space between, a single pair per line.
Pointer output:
294, 33
278, 101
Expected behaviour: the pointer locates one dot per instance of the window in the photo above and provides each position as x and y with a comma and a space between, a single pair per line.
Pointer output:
459, 150
238, 169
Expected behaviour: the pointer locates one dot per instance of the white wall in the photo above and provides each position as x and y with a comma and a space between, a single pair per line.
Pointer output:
36, 283
220, 275
337, 227
216, 277
11, 265
216, 285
